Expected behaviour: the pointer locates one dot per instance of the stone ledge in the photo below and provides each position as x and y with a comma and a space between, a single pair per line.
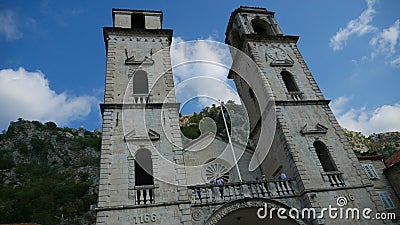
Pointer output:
111, 208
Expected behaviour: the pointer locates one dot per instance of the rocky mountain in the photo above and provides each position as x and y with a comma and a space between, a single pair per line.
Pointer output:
48, 174
193, 125
376, 144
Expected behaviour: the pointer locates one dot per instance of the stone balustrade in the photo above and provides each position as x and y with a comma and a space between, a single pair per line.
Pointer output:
213, 193
145, 194
335, 178
139, 98
296, 95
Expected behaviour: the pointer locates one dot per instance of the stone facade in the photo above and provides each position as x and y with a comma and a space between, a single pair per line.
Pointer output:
383, 182
140, 119
130, 51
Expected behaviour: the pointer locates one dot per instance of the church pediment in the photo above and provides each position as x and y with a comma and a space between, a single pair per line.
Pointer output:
132, 61
287, 62
133, 136
319, 129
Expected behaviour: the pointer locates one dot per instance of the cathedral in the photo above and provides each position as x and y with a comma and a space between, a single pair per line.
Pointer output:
150, 174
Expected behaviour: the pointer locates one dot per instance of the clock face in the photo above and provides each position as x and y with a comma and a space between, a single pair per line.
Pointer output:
276, 53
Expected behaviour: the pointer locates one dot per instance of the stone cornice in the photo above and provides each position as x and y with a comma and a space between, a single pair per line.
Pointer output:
119, 207
270, 38
266, 39
136, 31
303, 102
350, 187
137, 10
138, 106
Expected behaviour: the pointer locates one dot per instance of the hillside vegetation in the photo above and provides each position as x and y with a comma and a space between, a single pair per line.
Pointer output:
48, 173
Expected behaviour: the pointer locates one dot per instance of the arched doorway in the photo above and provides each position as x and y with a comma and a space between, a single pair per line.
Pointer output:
245, 212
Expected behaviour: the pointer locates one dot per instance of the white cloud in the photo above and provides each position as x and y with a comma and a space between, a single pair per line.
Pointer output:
382, 119
200, 69
9, 26
338, 104
395, 62
27, 95
358, 26
385, 42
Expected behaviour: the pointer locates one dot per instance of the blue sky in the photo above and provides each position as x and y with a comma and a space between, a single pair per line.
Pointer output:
52, 54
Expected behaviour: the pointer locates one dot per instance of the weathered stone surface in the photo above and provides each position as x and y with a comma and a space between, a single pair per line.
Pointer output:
300, 106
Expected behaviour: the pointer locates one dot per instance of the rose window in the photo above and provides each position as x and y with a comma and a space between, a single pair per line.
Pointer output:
214, 170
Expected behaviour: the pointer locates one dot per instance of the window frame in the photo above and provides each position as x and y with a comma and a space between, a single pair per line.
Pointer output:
370, 171
386, 199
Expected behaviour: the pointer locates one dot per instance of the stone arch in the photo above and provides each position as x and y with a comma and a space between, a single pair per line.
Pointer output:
232, 213
261, 27
289, 81
140, 82
324, 157
143, 168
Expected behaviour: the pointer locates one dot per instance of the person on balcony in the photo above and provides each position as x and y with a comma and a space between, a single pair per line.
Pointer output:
214, 189
283, 185
198, 191
265, 182
260, 186
220, 183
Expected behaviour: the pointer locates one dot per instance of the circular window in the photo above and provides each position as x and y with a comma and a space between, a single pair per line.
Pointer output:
215, 169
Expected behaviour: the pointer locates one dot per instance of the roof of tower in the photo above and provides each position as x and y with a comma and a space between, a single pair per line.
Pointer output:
248, 9
136, 10
252, 9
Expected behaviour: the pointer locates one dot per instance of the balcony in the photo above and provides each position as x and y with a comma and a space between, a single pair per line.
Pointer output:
334, 178
145, 195
139, 98
213, 193
296, 95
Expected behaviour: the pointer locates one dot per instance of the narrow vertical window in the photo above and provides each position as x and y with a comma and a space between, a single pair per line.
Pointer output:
387, 201
140, 82
324, 156
290, 84
143, 168
369, 169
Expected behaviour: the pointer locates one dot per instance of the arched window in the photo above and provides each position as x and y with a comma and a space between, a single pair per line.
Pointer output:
261, 26
140, 83
289, 82
143, 168
324, 156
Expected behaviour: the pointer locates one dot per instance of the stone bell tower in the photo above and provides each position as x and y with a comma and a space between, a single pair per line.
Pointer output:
138, 185
308, 145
